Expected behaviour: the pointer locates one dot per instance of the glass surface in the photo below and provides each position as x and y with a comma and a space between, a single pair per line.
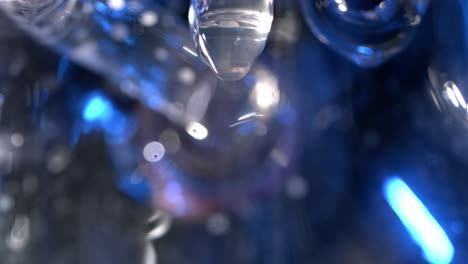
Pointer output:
119, 145
230, 35
365, 32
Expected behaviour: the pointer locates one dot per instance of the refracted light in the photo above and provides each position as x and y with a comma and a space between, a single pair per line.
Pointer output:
454, 94
422, 226
116, 4
230, 34
197, 130
96, 108
451, 96
99, 113
267, 94
342, 7
174, 196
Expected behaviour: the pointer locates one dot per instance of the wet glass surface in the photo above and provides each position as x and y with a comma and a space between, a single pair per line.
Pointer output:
133, 151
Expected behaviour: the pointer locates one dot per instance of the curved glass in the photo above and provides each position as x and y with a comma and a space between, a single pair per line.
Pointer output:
366, 32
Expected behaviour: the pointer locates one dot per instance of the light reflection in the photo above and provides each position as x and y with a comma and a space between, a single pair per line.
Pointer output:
266, 93
116, 4
419, 222
190, 51
162, 222
454, 94
150, 254
342, 8
99, 113
174, 196
154, 151
96, 108
197, 130
19, 235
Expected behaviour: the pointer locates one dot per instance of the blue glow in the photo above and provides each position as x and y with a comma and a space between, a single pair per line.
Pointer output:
136, 187
174, 195
96, 109
419, 222
365, 50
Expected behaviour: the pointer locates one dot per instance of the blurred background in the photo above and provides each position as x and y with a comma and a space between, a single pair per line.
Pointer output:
342, 145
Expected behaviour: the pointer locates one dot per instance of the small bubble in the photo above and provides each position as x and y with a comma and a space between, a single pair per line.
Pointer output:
58, 161
186, 76
6, 203
217, 224
161, 54
17, 140
120, 32
149, 18
296, 188
154, 151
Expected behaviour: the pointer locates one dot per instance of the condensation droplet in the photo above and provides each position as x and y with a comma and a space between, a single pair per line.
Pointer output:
230, 35
154, 151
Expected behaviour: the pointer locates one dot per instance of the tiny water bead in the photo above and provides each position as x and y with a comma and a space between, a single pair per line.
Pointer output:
230, 35
366, 32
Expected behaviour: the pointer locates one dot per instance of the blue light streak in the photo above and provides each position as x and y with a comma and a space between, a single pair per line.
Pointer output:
422, 226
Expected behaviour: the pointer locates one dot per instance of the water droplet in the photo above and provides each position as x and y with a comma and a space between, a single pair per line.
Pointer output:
366, 32
230, 35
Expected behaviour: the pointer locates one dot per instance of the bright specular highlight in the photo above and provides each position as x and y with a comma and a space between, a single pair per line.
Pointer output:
422, 226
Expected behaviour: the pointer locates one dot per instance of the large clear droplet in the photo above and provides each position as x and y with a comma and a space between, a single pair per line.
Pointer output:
230, 34
368, 32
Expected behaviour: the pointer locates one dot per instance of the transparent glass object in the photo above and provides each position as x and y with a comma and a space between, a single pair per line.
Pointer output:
138, 46
238, 143
366, 32
230, 35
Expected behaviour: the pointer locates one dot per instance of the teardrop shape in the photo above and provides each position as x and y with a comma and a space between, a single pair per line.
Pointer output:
230, 35
367, 32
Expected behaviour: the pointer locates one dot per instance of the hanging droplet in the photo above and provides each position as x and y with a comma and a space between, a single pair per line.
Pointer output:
368, 32
230, 34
